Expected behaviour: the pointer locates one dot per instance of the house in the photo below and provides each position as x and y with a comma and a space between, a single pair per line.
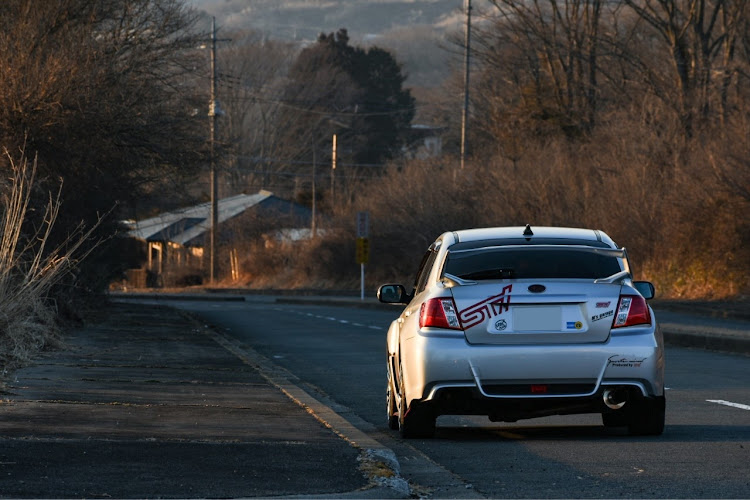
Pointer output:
176, 242
424, 142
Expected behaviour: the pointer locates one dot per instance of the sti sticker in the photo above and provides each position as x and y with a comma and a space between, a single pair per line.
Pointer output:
486, 309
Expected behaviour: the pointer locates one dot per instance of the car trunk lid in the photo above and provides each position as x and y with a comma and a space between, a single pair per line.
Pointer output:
515, 312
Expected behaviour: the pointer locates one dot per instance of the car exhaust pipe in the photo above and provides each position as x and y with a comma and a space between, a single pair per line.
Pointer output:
615, 398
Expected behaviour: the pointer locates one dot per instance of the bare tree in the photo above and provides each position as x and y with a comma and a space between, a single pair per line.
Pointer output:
101, 91
701, 38
545, 52
253, 72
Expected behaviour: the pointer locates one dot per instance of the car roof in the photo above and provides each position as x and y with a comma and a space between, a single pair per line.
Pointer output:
530, 235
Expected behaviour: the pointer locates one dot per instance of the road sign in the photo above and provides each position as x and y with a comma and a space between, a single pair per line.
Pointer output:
363, 247
363, 224
363, 250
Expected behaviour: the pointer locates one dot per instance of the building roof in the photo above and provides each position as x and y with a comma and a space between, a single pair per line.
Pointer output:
187, 226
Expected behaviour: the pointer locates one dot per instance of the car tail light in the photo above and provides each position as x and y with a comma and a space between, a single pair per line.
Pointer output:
631, 310
439, 313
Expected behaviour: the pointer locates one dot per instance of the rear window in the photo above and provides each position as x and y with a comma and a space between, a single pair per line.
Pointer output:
509, 263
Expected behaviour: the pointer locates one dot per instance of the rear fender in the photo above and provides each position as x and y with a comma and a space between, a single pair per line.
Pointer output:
392, 338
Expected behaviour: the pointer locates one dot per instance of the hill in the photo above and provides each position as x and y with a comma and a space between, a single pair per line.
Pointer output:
415, 30
305, 19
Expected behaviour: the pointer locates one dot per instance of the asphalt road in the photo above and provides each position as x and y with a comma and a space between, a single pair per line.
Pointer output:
254, 397
338, 355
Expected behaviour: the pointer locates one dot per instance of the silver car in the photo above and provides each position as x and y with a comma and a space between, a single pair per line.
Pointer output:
518, 323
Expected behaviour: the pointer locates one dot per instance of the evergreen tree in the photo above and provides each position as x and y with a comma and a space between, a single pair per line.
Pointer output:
354, 92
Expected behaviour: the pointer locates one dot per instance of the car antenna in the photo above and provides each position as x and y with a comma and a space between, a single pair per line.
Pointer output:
528, 231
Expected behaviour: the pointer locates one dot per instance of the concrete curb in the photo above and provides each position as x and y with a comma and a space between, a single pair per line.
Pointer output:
709, 342
176, 296
377, 462
737, 310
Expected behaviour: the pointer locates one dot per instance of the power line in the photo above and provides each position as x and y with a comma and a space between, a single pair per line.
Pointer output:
289, 104
277, 173
259, 159
323, 173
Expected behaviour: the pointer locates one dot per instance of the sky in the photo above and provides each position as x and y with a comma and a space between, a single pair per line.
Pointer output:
415, 31
305, 19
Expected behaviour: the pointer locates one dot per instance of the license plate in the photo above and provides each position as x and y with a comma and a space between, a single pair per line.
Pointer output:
536, 319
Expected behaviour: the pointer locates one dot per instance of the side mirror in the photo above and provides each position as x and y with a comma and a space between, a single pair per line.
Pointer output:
645, 288
392, 294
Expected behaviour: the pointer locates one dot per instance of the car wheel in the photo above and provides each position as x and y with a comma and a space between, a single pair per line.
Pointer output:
391, 404
414, 422
647, 417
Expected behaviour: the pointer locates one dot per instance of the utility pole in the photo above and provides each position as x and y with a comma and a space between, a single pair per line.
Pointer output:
333, 168
212, 112
467, 53
313, 229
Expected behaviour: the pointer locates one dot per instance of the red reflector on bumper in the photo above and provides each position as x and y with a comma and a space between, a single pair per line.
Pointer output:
538, 389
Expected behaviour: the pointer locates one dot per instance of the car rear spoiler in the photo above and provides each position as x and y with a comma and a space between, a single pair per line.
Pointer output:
621, 253
615, 278
450, 281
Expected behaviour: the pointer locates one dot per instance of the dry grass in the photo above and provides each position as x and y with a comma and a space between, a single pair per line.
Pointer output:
29, 269
680, 207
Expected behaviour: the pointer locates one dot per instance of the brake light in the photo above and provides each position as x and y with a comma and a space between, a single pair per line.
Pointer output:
439, 313
631, 310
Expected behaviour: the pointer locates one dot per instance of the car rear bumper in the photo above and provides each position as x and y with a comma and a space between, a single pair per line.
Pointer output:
550, 375
467, 401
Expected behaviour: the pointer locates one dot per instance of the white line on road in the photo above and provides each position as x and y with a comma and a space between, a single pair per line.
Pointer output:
729, 403
330, 318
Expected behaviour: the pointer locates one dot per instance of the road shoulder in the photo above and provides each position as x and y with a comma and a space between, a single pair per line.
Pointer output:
149, 392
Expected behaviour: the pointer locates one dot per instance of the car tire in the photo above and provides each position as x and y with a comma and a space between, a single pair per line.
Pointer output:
391, 407
646, 417
413, 422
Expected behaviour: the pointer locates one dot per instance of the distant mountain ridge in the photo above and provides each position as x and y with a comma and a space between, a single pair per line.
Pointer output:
414, 30
304, 19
